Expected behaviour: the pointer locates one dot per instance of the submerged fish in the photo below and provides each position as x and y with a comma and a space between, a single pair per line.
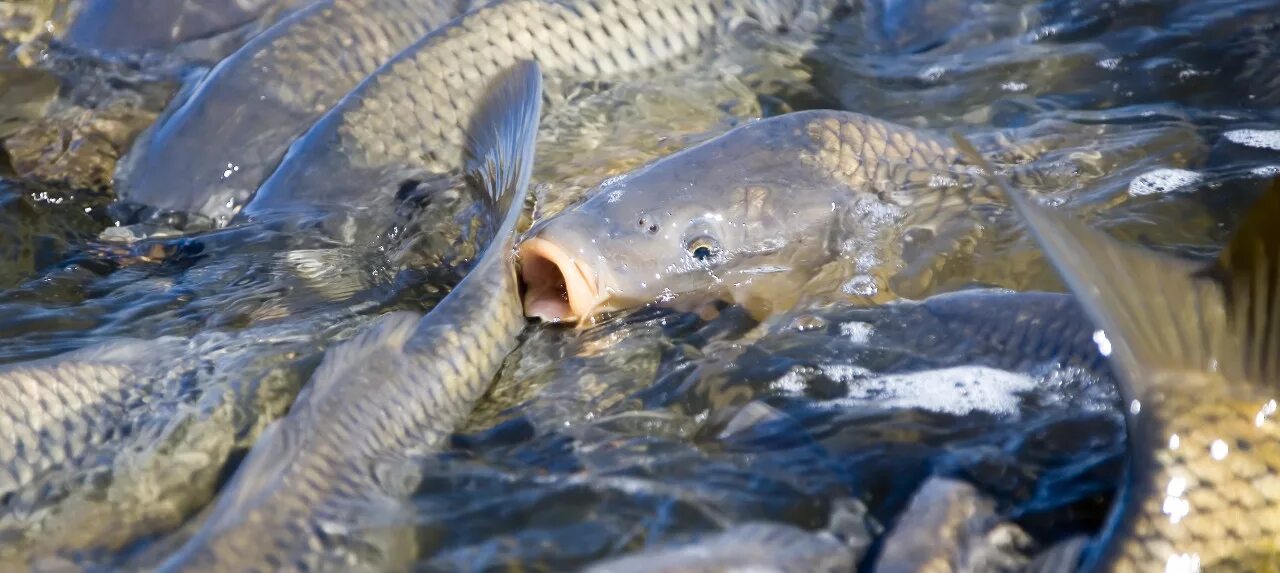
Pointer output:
213, 148
128, 438
743, 216
763, 547
398, 388
951, 526
1197, 350
406, 122
56, 409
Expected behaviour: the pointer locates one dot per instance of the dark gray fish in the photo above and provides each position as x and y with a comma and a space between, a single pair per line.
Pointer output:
949, 526
741, 217
1196, 347
397, 388
213, 148
128, 438
759, 547
407, 121
55, 409
141, 25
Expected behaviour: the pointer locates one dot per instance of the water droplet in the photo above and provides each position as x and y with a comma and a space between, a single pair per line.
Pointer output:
1104, 345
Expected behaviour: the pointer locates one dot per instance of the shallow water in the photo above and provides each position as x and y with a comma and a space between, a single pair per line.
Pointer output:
1157, 120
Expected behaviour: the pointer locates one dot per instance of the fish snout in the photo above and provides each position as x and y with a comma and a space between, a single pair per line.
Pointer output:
558, 287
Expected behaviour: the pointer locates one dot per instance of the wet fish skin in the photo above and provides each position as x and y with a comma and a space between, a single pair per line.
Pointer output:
212, 149
127, 438
761, 199
53, 410
398, 388
764, 547
950, 526
760, 546
407, 121
137, 25
1197, 350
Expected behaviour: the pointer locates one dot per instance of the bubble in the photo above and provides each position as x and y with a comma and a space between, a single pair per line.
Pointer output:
861, 285
1262, 139
1161, 181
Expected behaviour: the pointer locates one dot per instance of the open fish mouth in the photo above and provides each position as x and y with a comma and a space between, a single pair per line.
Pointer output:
558, 287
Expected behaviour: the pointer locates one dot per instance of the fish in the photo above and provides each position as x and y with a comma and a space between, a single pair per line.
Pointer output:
760, 546
143, 25
405, 124
741, 217
951, 526
1196, 348
56, 409
213, 148
396, 388
127, 438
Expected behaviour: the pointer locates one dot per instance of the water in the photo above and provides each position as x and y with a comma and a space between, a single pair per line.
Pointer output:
1156, 120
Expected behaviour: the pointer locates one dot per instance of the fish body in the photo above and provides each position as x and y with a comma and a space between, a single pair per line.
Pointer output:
1196, 347
394, 389
738, 217
212, 149
760, 546
951, 526
126, 439
56, 409
763, 547
407, 121
139, 25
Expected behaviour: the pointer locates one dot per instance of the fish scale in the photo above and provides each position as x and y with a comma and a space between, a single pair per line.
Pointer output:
298, 501
212, 150
1194, 346
408, 120
1193, 498
786, 193
48, 417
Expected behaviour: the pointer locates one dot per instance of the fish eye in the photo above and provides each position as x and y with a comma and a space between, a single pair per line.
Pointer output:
704, 249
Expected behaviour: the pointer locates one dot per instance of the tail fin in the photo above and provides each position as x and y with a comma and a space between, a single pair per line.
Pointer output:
1163, 313
501, 140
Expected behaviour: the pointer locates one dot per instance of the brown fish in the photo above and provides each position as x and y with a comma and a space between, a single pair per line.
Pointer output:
1197, 349
741, 217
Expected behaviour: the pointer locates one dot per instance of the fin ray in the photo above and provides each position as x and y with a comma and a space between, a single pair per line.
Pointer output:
1158, 312
1249, 270
501, 140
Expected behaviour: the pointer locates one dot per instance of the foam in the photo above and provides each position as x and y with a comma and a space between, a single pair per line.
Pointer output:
857, 332
1266, 171
1159, 181
1260, 138
959, 390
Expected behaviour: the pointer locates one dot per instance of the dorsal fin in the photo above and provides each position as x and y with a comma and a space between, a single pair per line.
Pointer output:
501, 138
1158, 312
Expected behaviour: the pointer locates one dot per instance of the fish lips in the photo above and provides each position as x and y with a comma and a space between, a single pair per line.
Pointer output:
558, 287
